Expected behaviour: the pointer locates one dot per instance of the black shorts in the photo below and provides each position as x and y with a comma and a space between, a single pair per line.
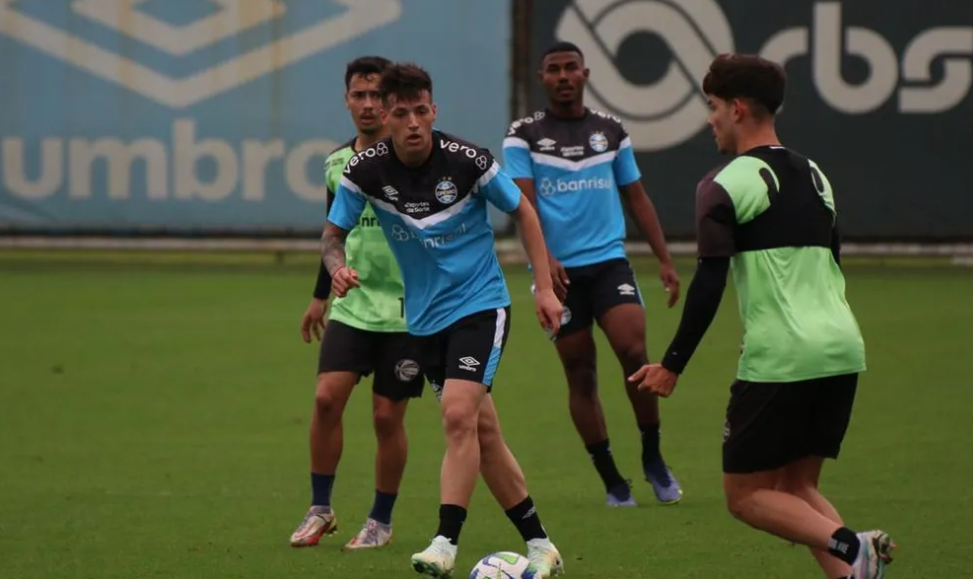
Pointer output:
469, 349
770, 425
594, 290
391, 356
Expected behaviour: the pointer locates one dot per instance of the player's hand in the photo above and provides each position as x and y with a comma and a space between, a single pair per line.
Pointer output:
670, 281
655, 379
560, 279
549, 310
313, 320
343, 280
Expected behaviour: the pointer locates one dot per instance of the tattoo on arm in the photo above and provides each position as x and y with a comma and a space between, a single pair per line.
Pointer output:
333, 248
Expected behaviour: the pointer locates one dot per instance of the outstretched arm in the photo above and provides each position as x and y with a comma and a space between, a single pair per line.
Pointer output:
640, 207
702, 302
499, 189
716, 240
642, 210
532, 238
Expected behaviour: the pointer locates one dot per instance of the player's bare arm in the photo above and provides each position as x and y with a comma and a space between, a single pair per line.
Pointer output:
642, 210
558, 275
343, 278
549, 307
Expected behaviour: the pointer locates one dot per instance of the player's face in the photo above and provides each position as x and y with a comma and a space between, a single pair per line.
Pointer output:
410, 122
563, 75
363, 103
722, 122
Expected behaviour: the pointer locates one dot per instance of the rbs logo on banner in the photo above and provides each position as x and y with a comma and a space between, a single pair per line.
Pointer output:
672, 110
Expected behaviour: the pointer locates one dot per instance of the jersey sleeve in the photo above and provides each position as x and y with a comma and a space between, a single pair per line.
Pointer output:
715, 221
495, 185
349, 203
516, 153
624, 167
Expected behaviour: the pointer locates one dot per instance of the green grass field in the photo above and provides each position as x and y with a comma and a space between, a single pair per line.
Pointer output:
154, 411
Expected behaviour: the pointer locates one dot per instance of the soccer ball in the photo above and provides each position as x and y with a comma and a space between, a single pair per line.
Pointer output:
500, 565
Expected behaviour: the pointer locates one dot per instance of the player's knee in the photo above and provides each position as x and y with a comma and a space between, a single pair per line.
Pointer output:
582, 379
488, 434
739, 504
459, 421
388, 421
327, 398
632, 357
325, 401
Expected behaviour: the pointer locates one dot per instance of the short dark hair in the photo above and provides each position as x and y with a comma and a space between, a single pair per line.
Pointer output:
364, 66
747, 76
562, 46
404, 81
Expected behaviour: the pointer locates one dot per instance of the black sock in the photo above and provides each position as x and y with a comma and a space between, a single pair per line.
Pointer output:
650, 443
601, 455
524, 517
382, 507
451, 519
844, 544
321, 489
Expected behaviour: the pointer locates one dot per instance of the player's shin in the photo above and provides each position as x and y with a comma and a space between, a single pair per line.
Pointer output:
504, 477
390, 457
460, 406
326, 433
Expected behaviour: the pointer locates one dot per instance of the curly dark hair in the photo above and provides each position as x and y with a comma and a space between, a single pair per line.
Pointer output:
747, 76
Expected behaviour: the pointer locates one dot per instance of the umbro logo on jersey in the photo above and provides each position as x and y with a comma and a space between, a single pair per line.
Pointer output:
468, 363
390, 193
626, 290
546, 144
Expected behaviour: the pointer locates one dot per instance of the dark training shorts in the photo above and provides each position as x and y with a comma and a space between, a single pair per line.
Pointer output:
594, 290
469, 349
392, 356
770, 425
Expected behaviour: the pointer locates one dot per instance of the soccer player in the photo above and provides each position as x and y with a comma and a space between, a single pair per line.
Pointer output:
430, 192
770, 212
577, 167
366, 334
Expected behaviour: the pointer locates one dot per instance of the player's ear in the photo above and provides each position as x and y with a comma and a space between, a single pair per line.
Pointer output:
587, 71
434, 110
736, 109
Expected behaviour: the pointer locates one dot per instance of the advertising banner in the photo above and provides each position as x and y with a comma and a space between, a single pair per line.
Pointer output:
214, 116
879, 95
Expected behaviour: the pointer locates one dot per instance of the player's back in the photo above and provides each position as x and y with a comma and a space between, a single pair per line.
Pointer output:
791, 292
577, 166
436, 221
